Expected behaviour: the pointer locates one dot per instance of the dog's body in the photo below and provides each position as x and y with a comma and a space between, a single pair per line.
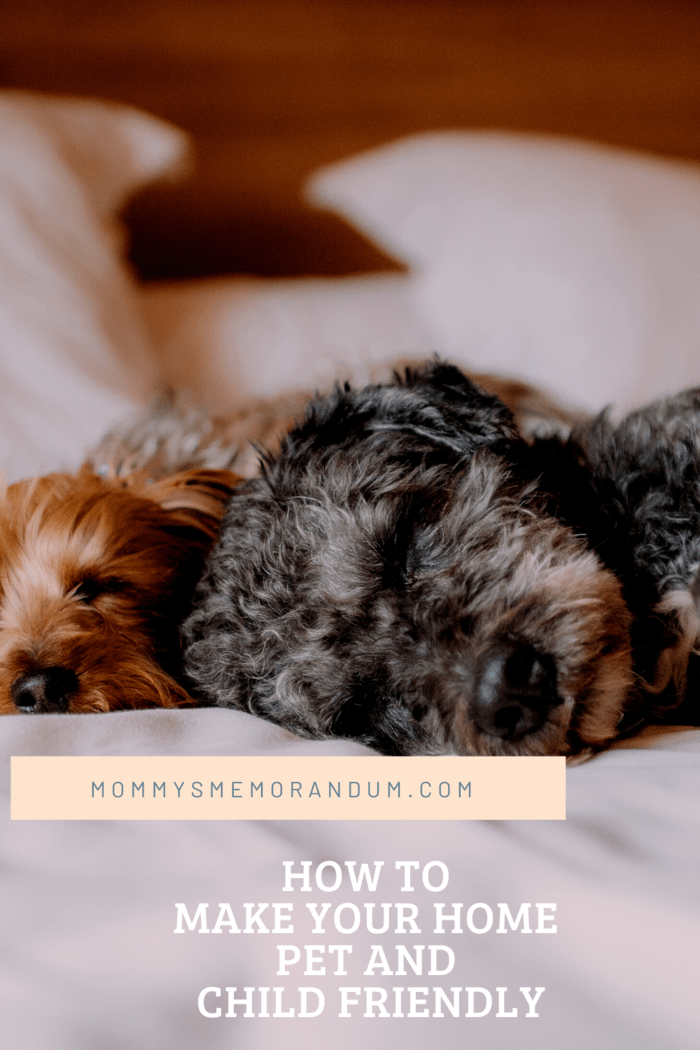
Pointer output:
634, 490
97, 568
391, 578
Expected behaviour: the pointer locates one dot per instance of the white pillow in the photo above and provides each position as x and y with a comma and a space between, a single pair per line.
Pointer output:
570, 265
74, 353
228, 340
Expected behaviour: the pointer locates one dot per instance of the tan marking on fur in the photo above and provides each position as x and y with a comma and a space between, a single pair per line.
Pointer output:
672, 665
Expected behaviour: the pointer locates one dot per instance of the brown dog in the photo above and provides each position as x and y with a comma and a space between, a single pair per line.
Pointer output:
96, 575
97, 568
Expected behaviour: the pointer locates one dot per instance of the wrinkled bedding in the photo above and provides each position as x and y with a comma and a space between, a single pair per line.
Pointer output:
89, 957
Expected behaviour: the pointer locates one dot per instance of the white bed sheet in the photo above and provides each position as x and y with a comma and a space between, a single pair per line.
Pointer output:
89, 959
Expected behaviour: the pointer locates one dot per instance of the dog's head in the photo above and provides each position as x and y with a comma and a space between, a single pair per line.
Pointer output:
390, 578
632, 489
95, 575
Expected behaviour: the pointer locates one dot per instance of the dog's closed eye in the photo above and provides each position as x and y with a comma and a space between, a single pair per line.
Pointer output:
410, 554
407, 548
401, 555
91, 588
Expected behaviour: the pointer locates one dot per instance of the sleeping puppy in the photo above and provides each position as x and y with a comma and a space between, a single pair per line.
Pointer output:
390, 577
97, 567
634, 491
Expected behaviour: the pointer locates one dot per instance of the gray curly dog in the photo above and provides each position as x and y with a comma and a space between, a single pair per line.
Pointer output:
392, 577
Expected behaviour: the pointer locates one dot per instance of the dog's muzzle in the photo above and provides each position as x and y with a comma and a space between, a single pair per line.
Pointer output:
515, 689
47, 691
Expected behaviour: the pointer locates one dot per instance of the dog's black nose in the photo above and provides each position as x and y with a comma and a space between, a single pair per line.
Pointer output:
515, 690
45, 691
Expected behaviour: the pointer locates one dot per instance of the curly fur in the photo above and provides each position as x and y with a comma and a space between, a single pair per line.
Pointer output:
173, 435
634, 490
390, 577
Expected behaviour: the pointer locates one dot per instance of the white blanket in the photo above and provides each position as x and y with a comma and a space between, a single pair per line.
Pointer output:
90, 959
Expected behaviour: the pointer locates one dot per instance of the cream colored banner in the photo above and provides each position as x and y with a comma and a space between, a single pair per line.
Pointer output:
287, 788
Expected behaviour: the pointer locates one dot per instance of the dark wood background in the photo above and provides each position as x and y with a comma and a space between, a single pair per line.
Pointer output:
271, 89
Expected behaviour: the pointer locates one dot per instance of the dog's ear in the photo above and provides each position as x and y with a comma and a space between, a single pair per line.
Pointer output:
460, 398
195, 498
434, 408
450, 410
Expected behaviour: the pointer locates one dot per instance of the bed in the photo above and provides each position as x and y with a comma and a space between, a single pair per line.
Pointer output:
561, 262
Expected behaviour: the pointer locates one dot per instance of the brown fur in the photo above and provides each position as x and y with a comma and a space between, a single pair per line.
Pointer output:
94, 576
97, 568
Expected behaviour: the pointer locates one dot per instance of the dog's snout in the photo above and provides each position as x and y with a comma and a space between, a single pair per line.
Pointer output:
45, 691
515, 690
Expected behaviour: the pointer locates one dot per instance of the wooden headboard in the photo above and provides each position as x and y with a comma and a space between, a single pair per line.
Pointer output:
271, 89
